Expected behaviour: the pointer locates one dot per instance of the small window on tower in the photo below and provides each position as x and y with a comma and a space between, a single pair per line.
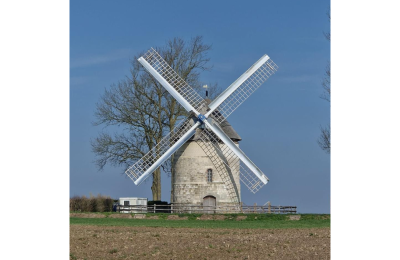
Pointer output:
209, 175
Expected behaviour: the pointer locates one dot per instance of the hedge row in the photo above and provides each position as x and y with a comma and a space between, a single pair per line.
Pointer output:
99, 203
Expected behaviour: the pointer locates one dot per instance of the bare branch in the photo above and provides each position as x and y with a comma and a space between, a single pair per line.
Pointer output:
324, 140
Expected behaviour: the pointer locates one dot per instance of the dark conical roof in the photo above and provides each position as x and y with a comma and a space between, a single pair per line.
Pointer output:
225, 126
229, 131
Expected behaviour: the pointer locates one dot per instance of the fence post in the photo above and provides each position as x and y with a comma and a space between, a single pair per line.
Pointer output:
269, 207
241, 207
154, 208
255, 207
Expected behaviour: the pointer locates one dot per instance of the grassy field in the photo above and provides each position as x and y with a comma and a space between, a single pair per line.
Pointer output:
254, 221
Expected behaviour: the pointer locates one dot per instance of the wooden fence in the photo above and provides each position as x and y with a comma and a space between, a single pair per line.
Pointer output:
185, 208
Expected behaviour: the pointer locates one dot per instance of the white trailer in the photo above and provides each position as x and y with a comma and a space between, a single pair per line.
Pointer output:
127, 205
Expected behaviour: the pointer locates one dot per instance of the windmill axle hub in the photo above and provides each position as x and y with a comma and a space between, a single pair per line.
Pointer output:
201, 117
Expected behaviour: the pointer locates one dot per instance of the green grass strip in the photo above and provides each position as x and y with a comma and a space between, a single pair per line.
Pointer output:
262, 221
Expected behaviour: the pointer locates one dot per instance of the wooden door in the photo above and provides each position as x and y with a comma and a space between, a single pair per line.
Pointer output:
209, 203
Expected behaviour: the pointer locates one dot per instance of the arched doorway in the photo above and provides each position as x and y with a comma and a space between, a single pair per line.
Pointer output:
209, 203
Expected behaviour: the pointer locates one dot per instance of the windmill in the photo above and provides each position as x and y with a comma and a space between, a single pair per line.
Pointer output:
207, 116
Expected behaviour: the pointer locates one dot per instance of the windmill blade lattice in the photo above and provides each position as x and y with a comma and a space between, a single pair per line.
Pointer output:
231, 162
162, 67
247, 88
223, 162
141, 166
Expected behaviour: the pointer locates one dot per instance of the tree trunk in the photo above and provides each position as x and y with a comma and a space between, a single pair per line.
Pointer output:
156, 186
172, 178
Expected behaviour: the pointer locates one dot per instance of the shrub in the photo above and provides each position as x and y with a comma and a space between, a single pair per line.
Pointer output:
99, 203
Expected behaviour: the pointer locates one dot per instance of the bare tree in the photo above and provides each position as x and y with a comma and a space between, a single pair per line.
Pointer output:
328, 34
143, 111
324, 140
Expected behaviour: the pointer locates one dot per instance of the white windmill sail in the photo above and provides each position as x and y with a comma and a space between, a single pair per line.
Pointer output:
154, 158
183, 93
226, 162
251, 176
236, 150
219, 109
241, 89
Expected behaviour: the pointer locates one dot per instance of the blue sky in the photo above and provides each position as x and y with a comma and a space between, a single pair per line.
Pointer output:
279, 123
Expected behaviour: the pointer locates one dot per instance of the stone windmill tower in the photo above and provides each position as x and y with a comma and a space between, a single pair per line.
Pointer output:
197, 179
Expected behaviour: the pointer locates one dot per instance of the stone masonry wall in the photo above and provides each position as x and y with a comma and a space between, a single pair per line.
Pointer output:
190, 181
